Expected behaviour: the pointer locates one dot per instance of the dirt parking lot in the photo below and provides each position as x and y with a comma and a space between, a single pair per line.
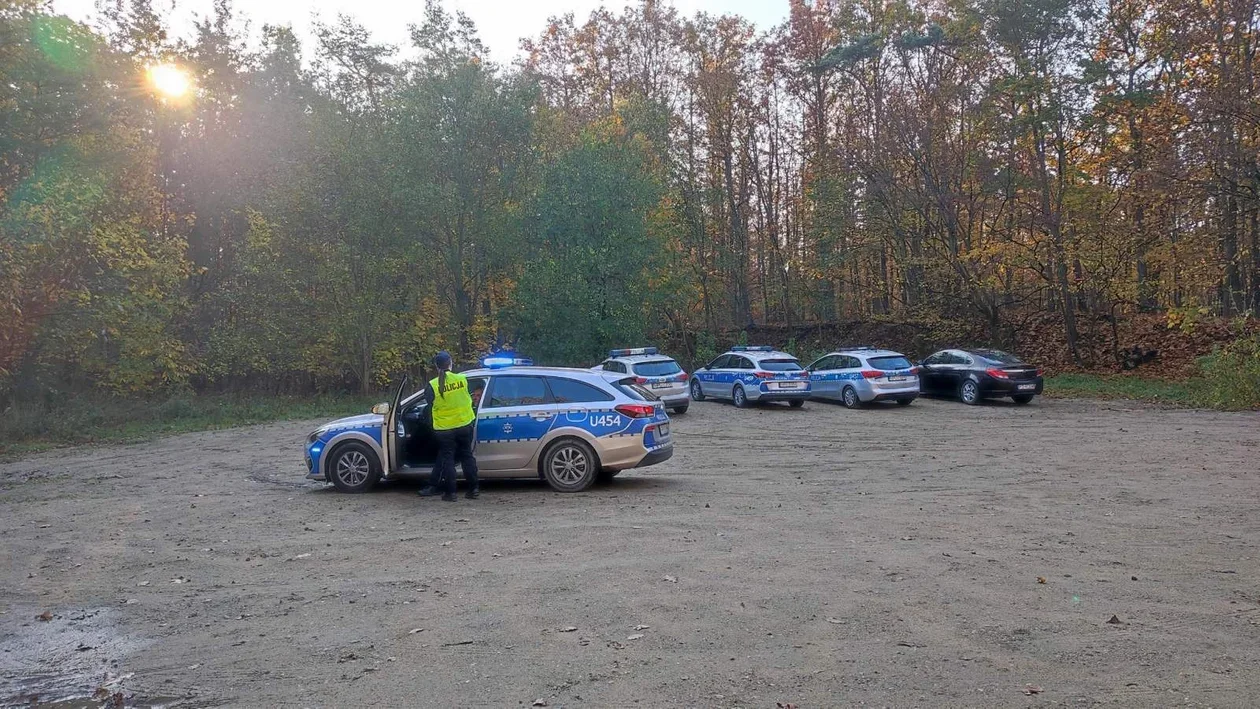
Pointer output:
933, 556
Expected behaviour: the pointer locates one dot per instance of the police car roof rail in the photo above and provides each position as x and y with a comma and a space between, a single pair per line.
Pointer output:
752, 348
850, 348
633, 351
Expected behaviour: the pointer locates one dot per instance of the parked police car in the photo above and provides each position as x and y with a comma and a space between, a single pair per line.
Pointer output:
567, 426
860, 375
661, 375
747, 375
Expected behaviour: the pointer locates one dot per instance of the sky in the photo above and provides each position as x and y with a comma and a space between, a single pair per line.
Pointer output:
501, 23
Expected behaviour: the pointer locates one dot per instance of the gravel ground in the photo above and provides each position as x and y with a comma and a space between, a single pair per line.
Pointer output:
937, 555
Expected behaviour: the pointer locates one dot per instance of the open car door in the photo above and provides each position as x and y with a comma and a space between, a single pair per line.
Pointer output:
391, 442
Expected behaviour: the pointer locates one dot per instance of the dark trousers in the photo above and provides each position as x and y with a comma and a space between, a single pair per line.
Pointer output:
455, 444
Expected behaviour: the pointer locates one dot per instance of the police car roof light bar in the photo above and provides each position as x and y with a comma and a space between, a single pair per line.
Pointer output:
633, 351
499, 360
752, 348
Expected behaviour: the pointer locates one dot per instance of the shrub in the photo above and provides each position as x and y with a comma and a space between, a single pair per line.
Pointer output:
1231, 375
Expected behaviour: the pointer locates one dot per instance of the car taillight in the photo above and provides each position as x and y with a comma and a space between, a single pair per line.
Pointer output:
636, 411
682, 377
640, 380
764, 375
997, 373
914, 371
872, 374
1039, 371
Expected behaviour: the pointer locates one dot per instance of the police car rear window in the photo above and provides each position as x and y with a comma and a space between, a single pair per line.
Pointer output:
780, 365
659, 368
888, 364
636, 392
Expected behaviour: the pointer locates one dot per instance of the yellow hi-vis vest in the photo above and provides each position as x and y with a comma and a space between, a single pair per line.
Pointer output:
452, 405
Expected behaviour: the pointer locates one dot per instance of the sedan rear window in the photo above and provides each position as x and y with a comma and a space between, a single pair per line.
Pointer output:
636, 392
658, 368
998, 356
780, 365
889, 364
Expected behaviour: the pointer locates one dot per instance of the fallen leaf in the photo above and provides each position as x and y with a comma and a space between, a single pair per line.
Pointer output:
836, 621
1031, 689
642, 627
540, 702
413, 631
636, 636
671, 579
446, 544
45, 616
1114, 620
460, 642
568, 629
299, 556
1041, 579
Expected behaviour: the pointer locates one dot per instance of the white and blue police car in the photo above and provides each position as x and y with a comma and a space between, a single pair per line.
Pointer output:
566, 426
747, 375
661, 375
861, 375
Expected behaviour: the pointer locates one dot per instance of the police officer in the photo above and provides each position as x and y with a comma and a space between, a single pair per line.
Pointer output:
453, 427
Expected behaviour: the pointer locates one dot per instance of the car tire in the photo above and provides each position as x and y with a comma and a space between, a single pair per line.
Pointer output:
353, 467
569, 465
969, 392
697, 394
739, 397
904, 402
850, 398
796, 403
1022, 399
680, 410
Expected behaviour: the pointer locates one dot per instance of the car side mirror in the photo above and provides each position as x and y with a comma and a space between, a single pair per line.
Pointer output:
381, 409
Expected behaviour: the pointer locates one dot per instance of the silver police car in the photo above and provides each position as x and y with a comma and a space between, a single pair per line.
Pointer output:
860, 375
566, 426
748, 375
661, 375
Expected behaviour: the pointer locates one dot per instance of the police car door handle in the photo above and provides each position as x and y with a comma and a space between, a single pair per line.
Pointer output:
540, 416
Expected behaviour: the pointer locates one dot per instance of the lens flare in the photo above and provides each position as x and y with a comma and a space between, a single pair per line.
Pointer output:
170, 81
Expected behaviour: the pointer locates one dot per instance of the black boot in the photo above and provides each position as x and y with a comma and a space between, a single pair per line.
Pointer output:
427, 491
473, 493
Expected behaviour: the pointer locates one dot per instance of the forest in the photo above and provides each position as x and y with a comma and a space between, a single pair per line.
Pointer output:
322, 214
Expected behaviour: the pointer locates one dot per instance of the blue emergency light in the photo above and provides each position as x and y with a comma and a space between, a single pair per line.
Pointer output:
633, 351
498, 360
752, 348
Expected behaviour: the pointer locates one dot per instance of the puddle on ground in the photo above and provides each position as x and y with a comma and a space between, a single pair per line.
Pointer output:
71, 661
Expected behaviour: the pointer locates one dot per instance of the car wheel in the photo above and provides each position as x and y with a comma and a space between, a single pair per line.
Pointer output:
354, 468
796, 403
697, 394
569, 465
969, 392
904, 402
680, 410
1023, 398
740, 398
850, 398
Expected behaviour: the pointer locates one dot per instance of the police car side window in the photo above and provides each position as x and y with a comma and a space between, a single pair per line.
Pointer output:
517, 391
741, 363
721, 362
571, 391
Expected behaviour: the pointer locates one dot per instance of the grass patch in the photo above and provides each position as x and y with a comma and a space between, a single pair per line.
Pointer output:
1188, 393
32, 426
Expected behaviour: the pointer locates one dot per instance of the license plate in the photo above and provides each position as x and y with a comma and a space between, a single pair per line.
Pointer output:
1026, 387
791, 385
898, 379
662, 385
664, 429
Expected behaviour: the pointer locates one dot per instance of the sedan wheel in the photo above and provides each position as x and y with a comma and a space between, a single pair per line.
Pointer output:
353, 468
697, 393
570, 466
741, 399
969, 393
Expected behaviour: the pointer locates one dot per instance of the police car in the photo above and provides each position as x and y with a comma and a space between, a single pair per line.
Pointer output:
860, 375
661, 375
747, 375
566, 426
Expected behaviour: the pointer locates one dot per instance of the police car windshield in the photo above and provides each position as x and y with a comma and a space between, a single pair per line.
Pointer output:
659, 368
888, 364
779, 365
